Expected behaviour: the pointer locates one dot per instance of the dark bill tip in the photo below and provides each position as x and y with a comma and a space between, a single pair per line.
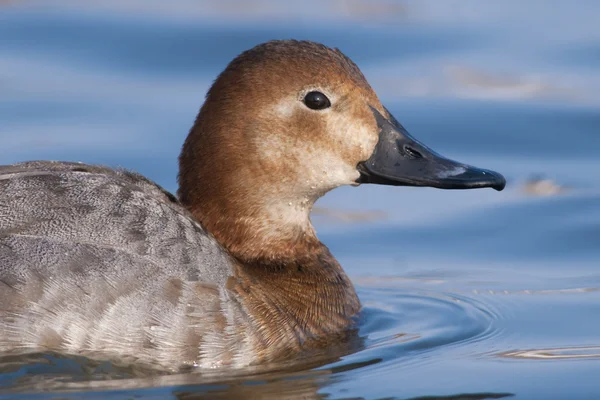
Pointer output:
461, 177
472, 178
468, 177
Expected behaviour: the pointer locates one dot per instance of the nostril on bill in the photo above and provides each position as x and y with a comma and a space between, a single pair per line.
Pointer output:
410, 152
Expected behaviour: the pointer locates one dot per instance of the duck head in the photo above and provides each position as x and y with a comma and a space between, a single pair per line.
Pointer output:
286, 122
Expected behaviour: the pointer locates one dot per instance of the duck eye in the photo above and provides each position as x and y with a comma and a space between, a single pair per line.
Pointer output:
316, 101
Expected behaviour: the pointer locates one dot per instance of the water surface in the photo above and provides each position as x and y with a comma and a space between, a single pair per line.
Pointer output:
479, 293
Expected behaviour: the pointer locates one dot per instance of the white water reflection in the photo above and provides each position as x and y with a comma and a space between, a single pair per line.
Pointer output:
555, 354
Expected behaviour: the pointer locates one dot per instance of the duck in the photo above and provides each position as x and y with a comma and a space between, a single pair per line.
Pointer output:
229, 273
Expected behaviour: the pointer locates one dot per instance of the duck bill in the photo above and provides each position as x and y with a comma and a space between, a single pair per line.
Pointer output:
400, 160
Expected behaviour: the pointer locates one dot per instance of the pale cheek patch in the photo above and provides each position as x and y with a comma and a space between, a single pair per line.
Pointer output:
306, 168
355, 137
322, 169
365, 140
271, 147
335, 170
286, 107
311, 168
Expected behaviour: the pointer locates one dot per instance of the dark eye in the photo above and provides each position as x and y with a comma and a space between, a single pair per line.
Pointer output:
316, 101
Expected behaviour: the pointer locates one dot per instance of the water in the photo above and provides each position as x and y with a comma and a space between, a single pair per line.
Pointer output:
479, 293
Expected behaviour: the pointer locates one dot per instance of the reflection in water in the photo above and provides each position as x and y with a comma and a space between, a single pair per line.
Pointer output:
466, 396
554, 354
41, 372
76, 376
300, 386
284, 393
112, 384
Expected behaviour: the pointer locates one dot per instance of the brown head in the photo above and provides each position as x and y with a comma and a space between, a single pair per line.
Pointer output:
286, 122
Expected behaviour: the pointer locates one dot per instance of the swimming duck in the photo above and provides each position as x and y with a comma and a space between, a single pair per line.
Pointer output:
104, 263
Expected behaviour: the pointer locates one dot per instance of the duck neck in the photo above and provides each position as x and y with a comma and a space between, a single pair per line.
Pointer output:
255, 227
282, 267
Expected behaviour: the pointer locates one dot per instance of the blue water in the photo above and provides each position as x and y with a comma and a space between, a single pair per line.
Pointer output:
479, 293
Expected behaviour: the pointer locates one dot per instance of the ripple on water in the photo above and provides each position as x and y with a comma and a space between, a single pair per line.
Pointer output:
411, 324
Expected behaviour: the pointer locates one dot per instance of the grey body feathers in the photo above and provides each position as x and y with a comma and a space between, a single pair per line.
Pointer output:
104, 263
